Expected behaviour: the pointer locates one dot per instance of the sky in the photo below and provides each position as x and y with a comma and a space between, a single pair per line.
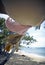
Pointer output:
38, 34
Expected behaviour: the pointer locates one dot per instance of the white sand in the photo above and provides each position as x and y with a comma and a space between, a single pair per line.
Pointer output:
33, 57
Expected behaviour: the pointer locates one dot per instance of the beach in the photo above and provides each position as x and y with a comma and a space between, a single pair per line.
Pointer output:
23, 58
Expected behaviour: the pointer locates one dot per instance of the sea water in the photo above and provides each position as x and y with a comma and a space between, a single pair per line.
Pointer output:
34, 50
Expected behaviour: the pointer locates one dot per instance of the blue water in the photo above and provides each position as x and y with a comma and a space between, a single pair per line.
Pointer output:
36, 50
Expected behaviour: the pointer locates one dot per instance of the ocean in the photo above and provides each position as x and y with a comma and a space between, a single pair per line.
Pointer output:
35, 50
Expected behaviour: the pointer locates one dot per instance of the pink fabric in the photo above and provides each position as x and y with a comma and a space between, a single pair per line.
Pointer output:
16, 27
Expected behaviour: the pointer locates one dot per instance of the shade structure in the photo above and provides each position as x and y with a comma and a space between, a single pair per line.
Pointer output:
14, 26
26, 12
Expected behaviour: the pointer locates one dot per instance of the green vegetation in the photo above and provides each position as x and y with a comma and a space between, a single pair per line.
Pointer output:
29, 38
4, 32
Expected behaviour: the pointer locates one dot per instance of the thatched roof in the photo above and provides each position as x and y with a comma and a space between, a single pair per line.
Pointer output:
26, 12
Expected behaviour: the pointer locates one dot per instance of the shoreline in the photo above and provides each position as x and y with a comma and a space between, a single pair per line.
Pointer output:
33, 57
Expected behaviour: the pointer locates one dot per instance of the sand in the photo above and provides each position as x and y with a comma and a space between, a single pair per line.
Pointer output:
32, 56
23, 58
